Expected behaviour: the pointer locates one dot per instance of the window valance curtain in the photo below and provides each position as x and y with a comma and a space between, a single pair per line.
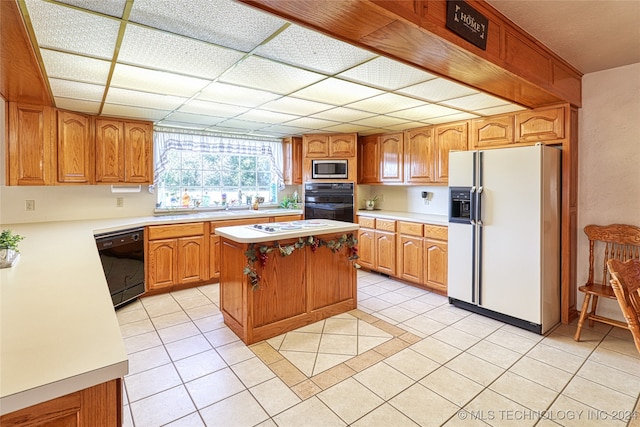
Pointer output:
165, 141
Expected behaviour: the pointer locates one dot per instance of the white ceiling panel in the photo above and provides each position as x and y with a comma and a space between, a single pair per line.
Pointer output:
212, 108
139, 112
260, 73
164, 51
437, 90
311, 123
502, 109
79, 105
70, 89
380, 121
243, 124
406, 125
478, 101
143, 99
183, 125
264, 116
201, 119
214, 22
284, 130
236, 95
346, 128
67, 29
341, 114
75, 67
452, 118
386, 103
110, 7
424, 112
138, 78
386, 73
337, 92
311, 50
293, 105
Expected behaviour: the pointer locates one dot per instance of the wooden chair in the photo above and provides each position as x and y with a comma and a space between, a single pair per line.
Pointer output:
625, 281
616, 241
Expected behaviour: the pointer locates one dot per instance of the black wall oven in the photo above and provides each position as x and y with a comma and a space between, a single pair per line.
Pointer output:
122, 257
328, 200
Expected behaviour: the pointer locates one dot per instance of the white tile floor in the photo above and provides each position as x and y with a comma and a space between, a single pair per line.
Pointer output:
404, 358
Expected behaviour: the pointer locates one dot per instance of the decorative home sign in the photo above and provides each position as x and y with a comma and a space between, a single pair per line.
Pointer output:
467, 22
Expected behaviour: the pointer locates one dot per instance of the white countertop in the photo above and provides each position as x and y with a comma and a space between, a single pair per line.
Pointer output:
58, 329
292, 230
406, 216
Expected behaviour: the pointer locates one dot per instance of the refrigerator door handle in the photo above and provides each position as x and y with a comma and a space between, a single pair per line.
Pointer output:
472, 207
478, 206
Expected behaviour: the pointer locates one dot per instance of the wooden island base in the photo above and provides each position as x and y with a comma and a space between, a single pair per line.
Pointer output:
293, 291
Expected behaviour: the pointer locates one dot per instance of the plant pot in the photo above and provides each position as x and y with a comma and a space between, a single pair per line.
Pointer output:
8, 257
369, 205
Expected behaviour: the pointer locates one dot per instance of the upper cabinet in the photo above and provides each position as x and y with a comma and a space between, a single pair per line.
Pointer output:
369, 160
75, 151
494, 131
138, 152
391, 157
449, 137
419, 155
109, 151
292, 160
31, 147
330, 146
540, 125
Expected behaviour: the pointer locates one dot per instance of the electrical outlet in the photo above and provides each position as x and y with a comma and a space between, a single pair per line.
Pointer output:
120, 202
30, 205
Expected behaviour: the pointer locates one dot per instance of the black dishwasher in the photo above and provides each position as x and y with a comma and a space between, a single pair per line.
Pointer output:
122, 257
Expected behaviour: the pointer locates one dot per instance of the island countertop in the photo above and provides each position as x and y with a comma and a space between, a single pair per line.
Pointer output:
284, 230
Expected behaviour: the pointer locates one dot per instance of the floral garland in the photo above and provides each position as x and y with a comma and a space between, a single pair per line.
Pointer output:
255, 253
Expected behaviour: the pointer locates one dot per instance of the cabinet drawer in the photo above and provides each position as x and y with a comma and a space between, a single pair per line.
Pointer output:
410, 228
176, 230
233, 222
385, 224
436, 232
365, 221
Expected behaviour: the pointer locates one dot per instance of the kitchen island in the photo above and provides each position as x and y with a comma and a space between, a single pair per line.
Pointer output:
282, 276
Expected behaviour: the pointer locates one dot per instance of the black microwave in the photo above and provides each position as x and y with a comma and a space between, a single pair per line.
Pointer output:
331, 169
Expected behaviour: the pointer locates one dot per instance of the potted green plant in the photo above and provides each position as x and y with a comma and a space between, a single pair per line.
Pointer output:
9, 248
370, 204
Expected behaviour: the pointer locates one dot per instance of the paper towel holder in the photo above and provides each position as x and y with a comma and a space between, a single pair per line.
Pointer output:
126, 188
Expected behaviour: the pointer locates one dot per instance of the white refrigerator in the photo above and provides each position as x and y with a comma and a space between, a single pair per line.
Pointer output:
504, 234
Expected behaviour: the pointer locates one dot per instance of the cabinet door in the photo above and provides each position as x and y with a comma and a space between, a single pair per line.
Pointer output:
287, 161
341, 146
540, 125
109, 142
452, 137
386, 252
435, 264
391, 157
214, 256
296, 160
138, 163
162, 263
410, 258
191, 259
419, 155
31, 149
366, 248
492, 131
316, 146
75, 148
369, 160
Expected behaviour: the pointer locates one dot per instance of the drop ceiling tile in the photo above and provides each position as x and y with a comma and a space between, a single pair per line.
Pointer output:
337, 92
437, 90
311, 123
406, 126
424, 112
214, 22
293, 105
212, 108
133, 112
386, 73
263, 116
284, 130
182, 125
452, 118
71, 30
341, 114
75, 67
475, 102
111, 7
380, 121
194, 118
228, 129
346, 128
71, 104
265, 74
313, 51
143, 99
386, 103
70, 89
235, 95
243, 124
169, 52
130, 77
502, 109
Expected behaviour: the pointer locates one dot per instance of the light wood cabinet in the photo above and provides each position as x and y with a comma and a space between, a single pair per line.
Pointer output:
493, 131
410, 251
419, 154
391, 157
316, 146
435, 265
369, 160
124, 152
367, 248
540, 125
31, 148
292, 160
386, 252
449, 137
329, 145
75, 149
377, 244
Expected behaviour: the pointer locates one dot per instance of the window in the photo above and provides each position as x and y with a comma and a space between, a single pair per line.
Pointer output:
195, 170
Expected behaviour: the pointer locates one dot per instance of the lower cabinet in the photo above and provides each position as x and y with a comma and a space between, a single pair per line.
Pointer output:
377, 247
